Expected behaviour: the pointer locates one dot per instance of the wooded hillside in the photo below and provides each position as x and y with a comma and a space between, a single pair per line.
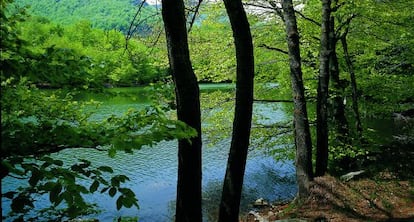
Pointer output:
105, 14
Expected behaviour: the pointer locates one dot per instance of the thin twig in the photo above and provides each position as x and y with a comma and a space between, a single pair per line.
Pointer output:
131, 24
195, 12
273, 48
273, 100
307, 18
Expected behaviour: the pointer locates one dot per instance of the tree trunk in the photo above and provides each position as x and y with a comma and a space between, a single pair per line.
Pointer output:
233, 181
303, 140
338, 107
322, 100
188, 206
348, 60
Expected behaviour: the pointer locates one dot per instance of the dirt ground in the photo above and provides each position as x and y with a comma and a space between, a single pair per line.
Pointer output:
384, 198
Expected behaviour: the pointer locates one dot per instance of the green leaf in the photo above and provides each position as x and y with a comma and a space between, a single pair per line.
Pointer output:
119, 202
76, 168
36, 176
58, 162
69, 177
94, 186
104, 189
67, 196
126, 192
106, 169
58, 200
28, 166
115, 181
18, 204
119, 179
46, 164
47, 159
128, 201
7, 165
81, 189
9, 194
112, 152
54, 194
49, 186
112, 192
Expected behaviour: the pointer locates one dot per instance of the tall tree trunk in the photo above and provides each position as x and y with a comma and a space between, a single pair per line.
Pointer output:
354, 88
338, 107
322, 100
188, 206
303, 140
233, 181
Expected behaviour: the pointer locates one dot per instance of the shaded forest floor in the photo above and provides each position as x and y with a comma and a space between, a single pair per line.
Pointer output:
385, 193
381, 199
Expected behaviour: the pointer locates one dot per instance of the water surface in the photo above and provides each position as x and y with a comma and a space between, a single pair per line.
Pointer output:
153, 170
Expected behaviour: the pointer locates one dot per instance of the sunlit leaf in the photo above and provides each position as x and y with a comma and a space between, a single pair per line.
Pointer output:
112, 152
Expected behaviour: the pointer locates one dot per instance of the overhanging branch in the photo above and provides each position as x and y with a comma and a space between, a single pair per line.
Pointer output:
195, 12
130, 29
43, 149
344, 24
273, 100
307, 18
273, 48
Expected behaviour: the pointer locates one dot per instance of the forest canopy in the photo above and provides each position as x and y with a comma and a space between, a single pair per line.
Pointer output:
107, 14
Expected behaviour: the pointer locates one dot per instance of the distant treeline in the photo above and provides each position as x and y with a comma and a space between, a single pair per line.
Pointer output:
104, 14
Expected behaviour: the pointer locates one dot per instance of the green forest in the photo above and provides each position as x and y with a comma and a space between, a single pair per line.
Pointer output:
200, 74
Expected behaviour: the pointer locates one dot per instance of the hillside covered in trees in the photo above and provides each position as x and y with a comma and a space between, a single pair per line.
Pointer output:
107, 15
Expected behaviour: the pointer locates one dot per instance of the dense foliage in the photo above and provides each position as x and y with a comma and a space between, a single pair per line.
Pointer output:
79, 56
107, 15
37, 123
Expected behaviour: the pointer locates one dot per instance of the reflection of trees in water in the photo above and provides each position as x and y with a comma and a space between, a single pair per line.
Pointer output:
266, 182
265, 178
171, 210
212, 196
398, 154
211, 200
276, 183
210, 204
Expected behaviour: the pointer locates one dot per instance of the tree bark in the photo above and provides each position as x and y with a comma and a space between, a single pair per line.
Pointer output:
354, 88
338, 106
233, 181
322, 100
188, 206
303, 140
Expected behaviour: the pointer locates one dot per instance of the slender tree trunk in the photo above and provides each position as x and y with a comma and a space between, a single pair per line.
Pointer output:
303, 140
233, 181
188, 206
338, 101
322, 100
348, 60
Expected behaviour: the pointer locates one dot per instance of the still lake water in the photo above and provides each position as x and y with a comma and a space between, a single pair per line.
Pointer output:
153, 170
